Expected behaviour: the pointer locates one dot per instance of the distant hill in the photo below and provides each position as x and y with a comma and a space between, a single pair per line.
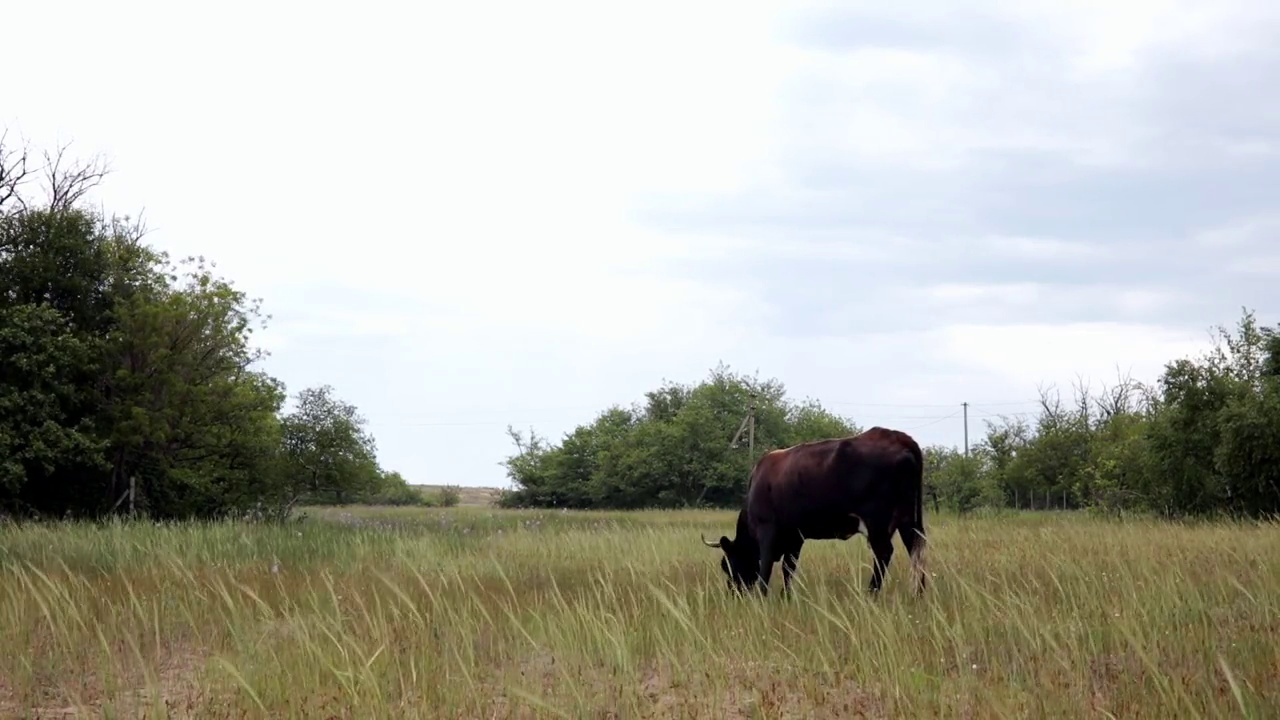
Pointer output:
471, 496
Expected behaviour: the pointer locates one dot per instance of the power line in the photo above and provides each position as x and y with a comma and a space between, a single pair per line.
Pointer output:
842, 403
1008, 403
1022, 413
542, 421
391, 419
935, 421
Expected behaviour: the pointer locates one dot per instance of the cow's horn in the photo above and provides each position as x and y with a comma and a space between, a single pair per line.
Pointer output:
708, 543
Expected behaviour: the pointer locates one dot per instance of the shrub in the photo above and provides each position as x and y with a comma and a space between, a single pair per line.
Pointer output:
448, 496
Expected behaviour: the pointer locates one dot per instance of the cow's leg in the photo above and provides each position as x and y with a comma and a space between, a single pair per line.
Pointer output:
768, 545
882, 549
789, 560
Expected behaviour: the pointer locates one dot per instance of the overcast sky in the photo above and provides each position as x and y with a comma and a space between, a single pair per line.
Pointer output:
467, 214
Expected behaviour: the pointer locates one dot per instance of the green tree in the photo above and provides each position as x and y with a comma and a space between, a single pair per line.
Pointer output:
1117, 469
123, 376
44, 429
672, 450
961, 483
328, 454
64, 271
1199, 398
1203, 441
187, 416
392, 489
808, 420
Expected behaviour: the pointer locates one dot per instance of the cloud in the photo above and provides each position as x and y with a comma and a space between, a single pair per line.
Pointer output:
1014, 164
1027, 354
472, 214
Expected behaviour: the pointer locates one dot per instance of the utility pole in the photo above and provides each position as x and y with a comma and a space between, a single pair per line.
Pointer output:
964, 467
748, 426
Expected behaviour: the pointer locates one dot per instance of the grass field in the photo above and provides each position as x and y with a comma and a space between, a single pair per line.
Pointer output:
479, 613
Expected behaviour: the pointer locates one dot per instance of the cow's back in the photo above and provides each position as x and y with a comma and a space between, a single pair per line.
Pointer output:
819, 484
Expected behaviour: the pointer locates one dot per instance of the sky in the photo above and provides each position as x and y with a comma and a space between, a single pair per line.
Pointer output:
468, 215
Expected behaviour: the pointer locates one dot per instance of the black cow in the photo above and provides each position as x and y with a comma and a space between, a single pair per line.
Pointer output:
871, 483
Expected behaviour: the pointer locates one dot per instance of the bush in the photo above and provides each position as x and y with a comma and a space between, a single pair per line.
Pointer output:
393, 489
448, 496
397, 495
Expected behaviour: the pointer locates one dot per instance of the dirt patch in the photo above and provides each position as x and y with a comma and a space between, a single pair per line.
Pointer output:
175, 678
733, 692
1107, 672
747, 698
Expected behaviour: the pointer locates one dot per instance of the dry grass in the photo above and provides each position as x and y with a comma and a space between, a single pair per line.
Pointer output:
469, 496
479, 613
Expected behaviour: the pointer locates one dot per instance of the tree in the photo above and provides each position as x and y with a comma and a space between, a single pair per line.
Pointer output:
152, 383
961, 483
187, 414
392, 489
1204, 441
63, 272
672, 450
66, 180
43, 428
808, 420
126, 377
328, 455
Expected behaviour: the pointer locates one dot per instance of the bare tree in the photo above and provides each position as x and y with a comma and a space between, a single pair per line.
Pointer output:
1051, 406
1082, 399
14, 172
1119, 398
66, 181
70, 180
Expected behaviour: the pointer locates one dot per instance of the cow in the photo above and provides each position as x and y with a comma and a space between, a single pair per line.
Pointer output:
870, 484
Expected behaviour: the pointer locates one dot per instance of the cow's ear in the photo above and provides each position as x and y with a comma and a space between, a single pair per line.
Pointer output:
725, 543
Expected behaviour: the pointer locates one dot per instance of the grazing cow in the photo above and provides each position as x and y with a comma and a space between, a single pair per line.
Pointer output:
871, 483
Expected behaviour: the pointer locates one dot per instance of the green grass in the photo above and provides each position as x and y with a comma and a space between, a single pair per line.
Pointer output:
479, 613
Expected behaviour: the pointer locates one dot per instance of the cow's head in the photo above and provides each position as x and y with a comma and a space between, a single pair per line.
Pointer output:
741, 561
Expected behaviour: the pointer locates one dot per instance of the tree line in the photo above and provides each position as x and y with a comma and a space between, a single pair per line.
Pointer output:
1203, 440
128, 383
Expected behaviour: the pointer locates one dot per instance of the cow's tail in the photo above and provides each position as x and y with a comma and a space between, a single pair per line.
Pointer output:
912, 533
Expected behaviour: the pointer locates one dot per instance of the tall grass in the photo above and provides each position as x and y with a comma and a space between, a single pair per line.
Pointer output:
470, 612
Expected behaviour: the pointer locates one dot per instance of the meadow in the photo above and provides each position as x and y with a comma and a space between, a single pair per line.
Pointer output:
473, 612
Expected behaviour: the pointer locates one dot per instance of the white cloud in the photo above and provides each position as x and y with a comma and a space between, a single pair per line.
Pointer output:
1042, 249
1244, 233
1028, 354
1011, 293
1265, 266
1106, 38
1022, 294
